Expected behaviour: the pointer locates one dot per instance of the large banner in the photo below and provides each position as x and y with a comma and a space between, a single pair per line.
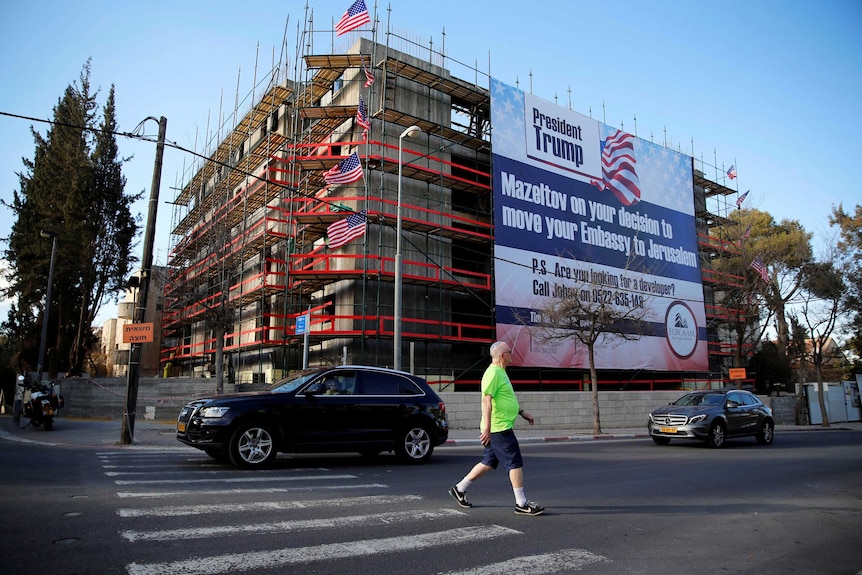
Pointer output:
584, 210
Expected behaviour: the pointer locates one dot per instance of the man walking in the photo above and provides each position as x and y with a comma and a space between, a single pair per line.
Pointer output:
499, 410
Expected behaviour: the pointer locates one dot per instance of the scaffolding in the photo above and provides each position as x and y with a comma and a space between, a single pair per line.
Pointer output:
249, 243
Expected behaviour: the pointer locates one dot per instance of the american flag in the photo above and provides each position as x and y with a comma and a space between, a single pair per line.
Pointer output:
741, 199
362, 118
369, 77
758, 266
346, 171
343, 231
731, 172
618, 168
745, 235
355, 17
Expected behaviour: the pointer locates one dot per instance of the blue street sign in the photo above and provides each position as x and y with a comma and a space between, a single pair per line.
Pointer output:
301, 324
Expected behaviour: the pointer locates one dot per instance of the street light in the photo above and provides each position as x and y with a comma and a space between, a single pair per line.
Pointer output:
47, 312
410, 132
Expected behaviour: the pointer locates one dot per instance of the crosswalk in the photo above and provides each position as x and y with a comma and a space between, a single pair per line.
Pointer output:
172, 511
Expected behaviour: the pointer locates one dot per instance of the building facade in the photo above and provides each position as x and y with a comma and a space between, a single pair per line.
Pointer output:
114, 349
253, 253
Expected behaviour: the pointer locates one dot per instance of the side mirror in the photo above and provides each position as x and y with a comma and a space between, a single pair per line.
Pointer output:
731, 404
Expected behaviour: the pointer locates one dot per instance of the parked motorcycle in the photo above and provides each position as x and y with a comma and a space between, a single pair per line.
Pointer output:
43, 404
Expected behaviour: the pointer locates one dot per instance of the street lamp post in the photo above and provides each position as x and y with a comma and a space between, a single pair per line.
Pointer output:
46, 314
410, 132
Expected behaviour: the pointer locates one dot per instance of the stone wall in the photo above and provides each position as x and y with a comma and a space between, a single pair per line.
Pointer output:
162, 398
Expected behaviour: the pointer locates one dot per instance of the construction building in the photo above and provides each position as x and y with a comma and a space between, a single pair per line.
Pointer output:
249, 258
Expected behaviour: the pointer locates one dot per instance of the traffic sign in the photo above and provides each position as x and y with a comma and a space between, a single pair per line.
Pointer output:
138, 333
301, 324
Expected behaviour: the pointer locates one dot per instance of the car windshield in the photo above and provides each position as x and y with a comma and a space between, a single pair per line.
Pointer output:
700, 399
295, 381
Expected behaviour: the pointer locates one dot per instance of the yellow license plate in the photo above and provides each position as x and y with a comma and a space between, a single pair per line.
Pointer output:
181, 427
668, 429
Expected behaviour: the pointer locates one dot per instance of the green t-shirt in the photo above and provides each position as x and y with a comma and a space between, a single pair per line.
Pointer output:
504, 404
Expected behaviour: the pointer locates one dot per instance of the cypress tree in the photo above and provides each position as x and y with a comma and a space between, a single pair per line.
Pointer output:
73, 187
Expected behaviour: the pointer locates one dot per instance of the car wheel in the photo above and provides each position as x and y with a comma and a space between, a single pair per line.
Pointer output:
660, 440
766, 434
414, 444
716, 435
252, 446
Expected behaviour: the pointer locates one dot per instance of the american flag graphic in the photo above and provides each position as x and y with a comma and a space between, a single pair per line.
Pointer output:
618, 168
362, 118
741, 199
356, 16
758, 266
369, 77
731, 172
343, 231
344, 172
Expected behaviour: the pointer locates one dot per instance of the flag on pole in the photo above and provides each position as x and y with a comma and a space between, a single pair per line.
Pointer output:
355, 17
362, 118
741, 199
343, 231
758, 266
346, 171
731, 172
369, 77
745, 235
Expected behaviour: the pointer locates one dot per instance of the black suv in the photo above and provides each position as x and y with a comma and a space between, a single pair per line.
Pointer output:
713, 416
345, 408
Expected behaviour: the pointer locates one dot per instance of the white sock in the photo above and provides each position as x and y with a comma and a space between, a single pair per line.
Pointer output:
520, 498
463, 485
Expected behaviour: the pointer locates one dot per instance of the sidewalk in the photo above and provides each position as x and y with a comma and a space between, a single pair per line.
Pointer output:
161, 434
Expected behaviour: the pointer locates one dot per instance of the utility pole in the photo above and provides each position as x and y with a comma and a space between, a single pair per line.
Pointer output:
127, 433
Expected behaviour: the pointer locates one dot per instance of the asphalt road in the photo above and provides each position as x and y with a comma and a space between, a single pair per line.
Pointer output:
622, 506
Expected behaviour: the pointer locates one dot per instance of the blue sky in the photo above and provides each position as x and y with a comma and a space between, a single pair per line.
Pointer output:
770, 86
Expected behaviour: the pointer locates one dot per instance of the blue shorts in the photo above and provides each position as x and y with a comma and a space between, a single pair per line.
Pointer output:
503, 449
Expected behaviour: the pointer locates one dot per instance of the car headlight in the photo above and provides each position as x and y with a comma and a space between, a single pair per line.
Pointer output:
697, 418
213, 412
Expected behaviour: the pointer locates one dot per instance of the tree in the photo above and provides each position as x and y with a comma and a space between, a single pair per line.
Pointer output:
73, 187
772, 370
592, 320
850, 260
796, 352
823, 293
783, 249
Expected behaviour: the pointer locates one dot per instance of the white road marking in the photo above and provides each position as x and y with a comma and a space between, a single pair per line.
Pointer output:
546, 564
166, 494
183, 510
280, 558
138, 450
248, 479
290, 526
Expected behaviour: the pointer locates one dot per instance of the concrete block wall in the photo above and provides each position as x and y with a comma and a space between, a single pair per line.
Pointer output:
162, 398
158, 398
565, 410
574, 409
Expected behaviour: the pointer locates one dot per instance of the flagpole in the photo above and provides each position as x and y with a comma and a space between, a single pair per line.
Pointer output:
410, 132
